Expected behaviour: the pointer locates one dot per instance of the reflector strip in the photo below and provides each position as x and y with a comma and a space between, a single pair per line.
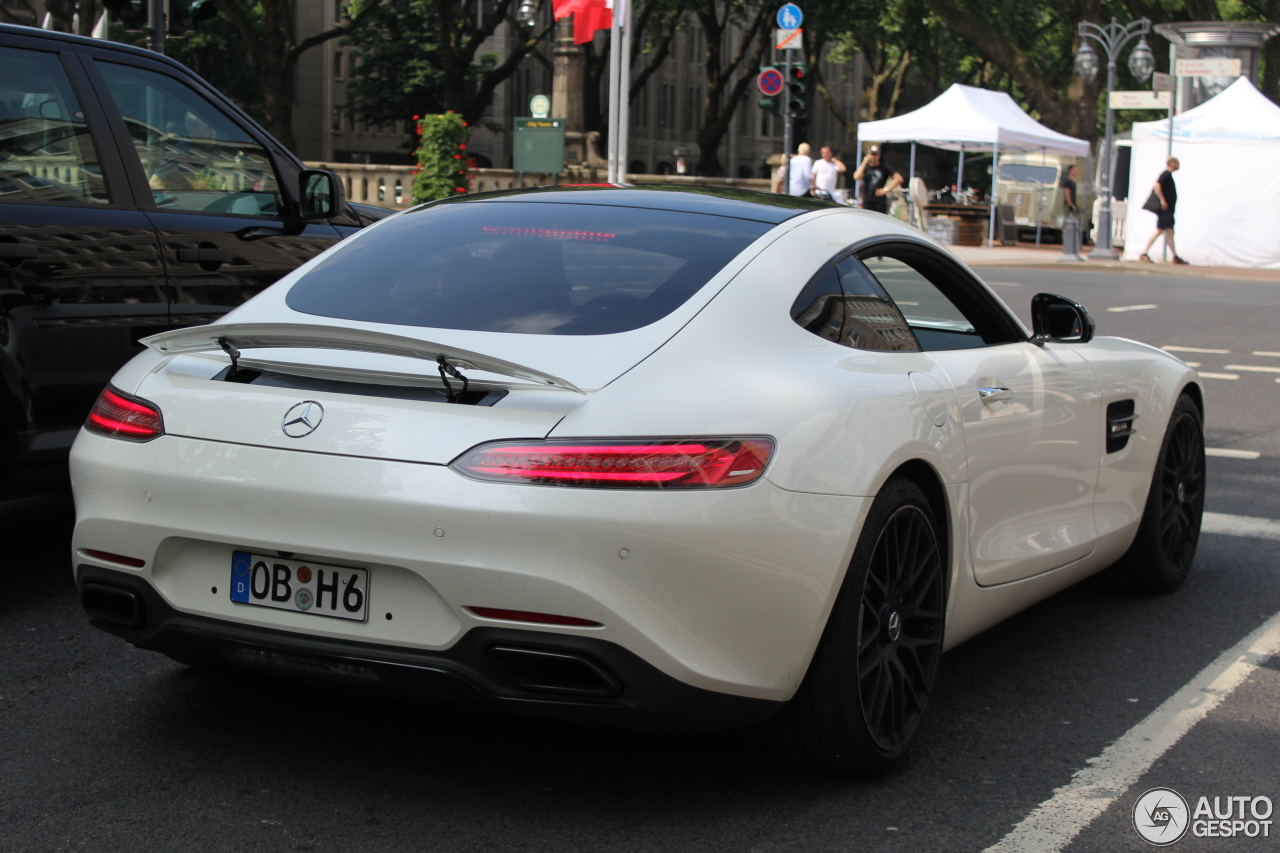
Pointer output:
116, 558
550, 233
529, 616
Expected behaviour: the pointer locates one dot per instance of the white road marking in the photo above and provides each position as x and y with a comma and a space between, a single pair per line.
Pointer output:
1208, 375
1265, 353
1172, 348
1228, 453
1059, 819
1004, 284
1191, 363
1240, 525
1253, 368
1120, 308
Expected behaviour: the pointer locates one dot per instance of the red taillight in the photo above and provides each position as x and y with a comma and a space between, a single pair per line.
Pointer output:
529, 616
119, 416
116, 558
681, 464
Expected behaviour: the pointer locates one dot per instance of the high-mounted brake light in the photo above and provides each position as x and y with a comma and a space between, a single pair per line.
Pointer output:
119, 416
550, 233
612, 464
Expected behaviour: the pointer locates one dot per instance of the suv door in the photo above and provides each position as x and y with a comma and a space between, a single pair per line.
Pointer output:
80, 272
1031, 416
221, 199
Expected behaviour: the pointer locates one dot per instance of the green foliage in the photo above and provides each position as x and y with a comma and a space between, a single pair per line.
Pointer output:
444, 167
206, 51
399, 72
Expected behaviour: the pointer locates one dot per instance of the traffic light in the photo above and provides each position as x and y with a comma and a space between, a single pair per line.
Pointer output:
768, 105
131, 13
187, 15
798, 90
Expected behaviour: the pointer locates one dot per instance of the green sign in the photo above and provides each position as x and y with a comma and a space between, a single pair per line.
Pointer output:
539, 145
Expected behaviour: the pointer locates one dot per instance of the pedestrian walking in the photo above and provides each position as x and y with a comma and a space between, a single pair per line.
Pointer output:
827, 172
878, 180
1166, 191
801, 171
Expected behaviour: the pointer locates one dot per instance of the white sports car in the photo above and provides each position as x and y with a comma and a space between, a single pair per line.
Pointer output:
645, 456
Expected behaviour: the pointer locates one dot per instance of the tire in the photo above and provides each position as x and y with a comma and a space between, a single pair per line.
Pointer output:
868, 688
1165, 546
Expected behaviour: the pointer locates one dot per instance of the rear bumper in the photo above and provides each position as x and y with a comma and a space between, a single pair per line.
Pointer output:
725, 592
528, 672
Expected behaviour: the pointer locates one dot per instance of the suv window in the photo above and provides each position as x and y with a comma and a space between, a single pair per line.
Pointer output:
846, 305
195, 158
46, 153
539, 268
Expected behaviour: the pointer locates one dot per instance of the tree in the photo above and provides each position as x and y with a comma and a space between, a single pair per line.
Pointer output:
423, 56
267, 32
727, 72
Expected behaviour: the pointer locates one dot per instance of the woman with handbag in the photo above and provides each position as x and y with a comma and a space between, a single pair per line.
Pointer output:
1161, 202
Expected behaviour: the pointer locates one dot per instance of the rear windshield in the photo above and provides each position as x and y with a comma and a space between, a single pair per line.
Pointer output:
533, 268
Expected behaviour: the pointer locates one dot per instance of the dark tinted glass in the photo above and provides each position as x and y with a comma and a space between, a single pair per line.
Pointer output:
533, 268
846, 305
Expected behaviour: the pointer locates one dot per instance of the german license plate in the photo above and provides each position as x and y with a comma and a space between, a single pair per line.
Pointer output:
341, 592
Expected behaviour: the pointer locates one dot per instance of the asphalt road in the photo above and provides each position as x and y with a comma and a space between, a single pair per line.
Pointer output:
104, 748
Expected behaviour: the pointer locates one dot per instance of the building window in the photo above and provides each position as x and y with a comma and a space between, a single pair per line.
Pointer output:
744, 116
640, 112
337, 65
339, 10
336, 124
690, 109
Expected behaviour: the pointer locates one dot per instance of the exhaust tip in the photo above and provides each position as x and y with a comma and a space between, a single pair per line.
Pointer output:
112, 604
555, 672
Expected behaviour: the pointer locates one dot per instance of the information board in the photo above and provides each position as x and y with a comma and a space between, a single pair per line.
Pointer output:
539, 145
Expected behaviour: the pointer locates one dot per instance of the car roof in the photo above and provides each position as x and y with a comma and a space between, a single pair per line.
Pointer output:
717, 201
88, 41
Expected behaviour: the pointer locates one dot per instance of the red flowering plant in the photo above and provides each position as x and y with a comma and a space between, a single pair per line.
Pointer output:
444, 168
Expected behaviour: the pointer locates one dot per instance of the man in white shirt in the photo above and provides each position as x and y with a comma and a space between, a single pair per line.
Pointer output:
827, 172
801, 171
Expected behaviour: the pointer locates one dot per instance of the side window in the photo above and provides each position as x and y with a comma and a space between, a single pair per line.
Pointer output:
941, 311
194, 156
847, 306
46, 153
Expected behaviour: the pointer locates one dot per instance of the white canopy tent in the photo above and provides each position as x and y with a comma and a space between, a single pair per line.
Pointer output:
1229, 150
965, 118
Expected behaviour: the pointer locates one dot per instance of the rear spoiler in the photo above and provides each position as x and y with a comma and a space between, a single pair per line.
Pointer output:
241, 336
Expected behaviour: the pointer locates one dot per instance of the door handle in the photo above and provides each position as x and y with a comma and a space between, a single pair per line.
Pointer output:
18, 251
994, 395
205, 256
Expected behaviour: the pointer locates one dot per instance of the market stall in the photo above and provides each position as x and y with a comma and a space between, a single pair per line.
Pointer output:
1229, 148
968, 119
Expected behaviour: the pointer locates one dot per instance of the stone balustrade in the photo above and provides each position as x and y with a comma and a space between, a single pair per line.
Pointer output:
391, 186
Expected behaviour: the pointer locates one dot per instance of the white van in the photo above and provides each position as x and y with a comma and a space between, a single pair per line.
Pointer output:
1032, 184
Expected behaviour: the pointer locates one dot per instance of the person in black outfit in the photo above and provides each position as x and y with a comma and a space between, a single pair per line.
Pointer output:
1167, 191
878, 180
1069, 189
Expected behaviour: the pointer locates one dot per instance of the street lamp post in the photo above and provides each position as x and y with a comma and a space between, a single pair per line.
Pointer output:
1111, 38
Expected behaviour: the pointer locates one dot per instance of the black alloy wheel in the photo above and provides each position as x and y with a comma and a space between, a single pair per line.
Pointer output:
868, 686
1165, 545
1181, 490
900, 638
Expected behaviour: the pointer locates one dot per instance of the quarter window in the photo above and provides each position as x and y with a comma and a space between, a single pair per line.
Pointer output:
46, 153
195, 158
847, 306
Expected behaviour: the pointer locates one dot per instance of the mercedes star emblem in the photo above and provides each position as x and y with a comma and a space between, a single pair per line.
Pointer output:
302, 419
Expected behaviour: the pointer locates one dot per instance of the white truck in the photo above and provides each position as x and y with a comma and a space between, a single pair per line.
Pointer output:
1032, 184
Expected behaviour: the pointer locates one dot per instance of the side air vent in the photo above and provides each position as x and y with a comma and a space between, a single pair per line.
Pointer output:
1120, 425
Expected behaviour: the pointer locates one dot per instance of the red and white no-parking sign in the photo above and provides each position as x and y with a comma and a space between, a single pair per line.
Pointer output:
770, 82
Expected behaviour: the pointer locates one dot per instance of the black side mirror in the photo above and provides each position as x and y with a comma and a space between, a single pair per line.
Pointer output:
1059, 319
321, 194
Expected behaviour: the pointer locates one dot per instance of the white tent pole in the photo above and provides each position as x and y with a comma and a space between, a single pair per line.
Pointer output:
912, 201
995, 170
615, 65
857, 185
960, 175
624, 96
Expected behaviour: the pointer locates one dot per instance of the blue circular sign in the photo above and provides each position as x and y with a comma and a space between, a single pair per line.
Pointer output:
790, 17
770, 82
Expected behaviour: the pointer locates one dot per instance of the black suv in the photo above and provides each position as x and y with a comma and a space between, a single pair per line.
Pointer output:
134, 198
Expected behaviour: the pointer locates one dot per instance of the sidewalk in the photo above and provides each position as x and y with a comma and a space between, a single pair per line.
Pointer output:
1047, 258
